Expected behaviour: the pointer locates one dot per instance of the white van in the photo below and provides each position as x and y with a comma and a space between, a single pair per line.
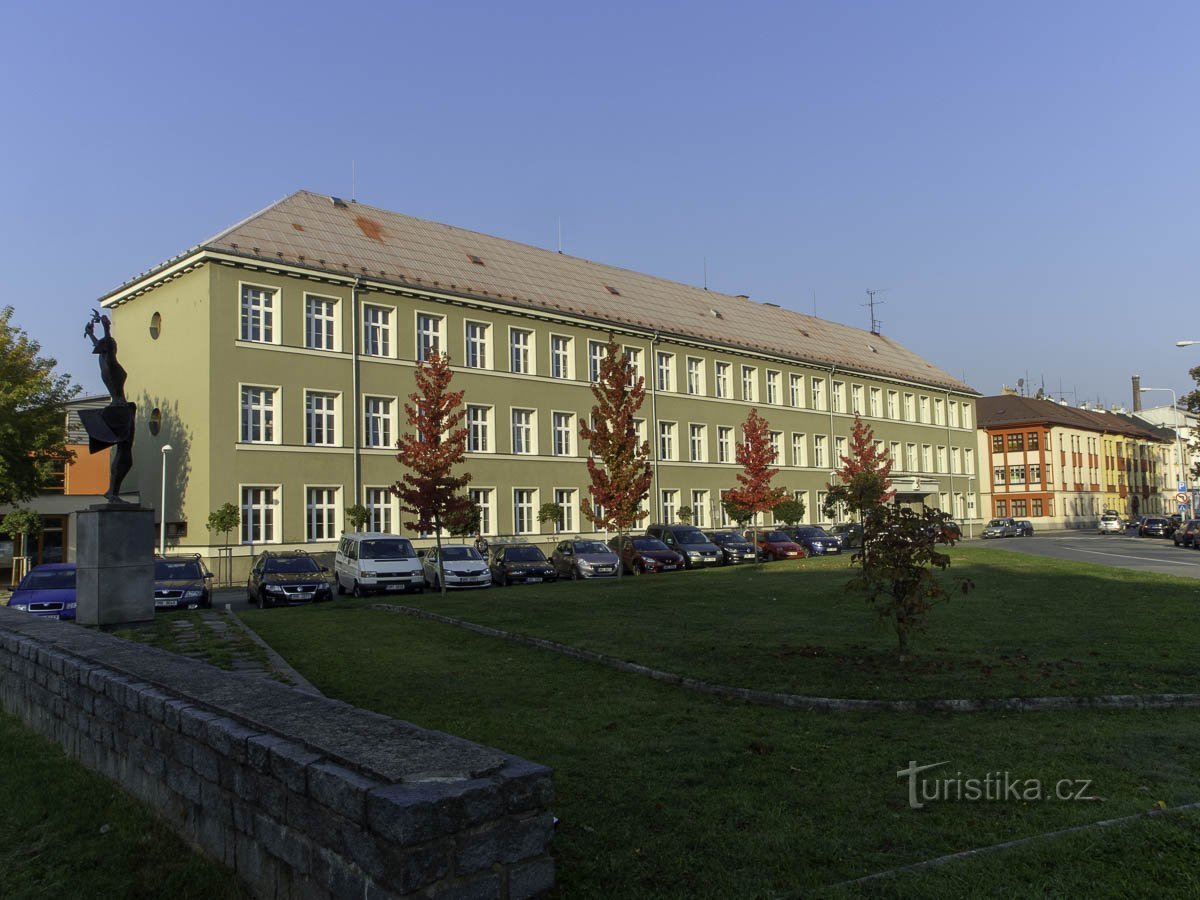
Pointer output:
368, 562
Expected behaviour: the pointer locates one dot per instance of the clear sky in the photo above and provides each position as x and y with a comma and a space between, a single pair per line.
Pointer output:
1020, 177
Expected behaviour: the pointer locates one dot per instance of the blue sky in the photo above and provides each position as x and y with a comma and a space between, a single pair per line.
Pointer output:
1020, 177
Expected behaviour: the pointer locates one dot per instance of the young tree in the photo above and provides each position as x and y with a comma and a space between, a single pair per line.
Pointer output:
465, 521
756, 454
739, 514
684, 514
23, 522
619, 466
789, 511
864, 482
33, 420
357, 517
428, 489
223, 520
898, 559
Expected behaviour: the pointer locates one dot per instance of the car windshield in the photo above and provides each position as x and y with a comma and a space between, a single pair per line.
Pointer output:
591, 547
691, 536
48, 581
460, 553
291, 565
177, 569
725, 537
811, 532
397, 548
776, 537
648, 543
996, 523
524, 554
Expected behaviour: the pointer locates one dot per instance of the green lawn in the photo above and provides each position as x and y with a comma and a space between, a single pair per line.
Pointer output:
662, 792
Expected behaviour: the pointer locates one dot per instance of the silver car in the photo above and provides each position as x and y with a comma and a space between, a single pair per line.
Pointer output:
584, 559
1111, 525
463, 565
1001, 528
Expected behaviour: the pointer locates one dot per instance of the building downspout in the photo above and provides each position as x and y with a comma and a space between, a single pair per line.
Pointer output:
950, 456
356, 413
833, 461
652, 371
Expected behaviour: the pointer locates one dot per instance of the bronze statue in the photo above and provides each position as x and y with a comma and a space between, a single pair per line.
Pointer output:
112, 426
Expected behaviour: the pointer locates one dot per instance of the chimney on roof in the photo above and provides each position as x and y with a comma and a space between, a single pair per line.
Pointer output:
1137, 393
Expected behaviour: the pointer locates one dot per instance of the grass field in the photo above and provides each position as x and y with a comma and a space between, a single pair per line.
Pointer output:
665, 793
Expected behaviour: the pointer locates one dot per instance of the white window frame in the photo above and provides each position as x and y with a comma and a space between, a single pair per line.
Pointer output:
267, 327
531, 525
380, 516
428, 330
819, 450
799, 450
529, 440
379, 327
274, 425
488, 426
818, 393
562, 441
837, 395
876, 403
331, 513
721, 380
483, 497
332, 415
695, 375
700, 508
697, 442
275, 503
562, 362
326, 318
856, 399
796, 390
667, 443
477, 347
374, 422
596, 354
749, 383
669, 505
521, 350
725, 440
664, 371
772, 387
566, 498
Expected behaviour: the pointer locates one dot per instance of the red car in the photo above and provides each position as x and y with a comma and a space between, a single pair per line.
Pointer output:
777, 545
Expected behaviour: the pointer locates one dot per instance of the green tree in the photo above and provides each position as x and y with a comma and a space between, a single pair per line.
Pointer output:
789, 511
736, 512
33, 418
24, 523
223, 520
549, 512
357, 517
684, 514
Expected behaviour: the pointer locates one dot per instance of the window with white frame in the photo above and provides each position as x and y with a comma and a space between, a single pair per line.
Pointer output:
379, 502
876, 402
893, 404
773, 387
482, 498
320, 418
802, 497
258, 314
796, 390
666, 440
839, 450
777, 446
377, 421
429, 335
565, 500
838, 393
910, 408
821, 495
476, 336
258, 414
520, 344
560, 357
960, 506
479, 429
697, 442
819, 459
969, 461
700, 509
522, 431
926, 458
377, 330
942, 462
721, 380
320, 513
562, 426
939, 411
695, 375
523, 519
818, 393
320, 322
955, 460
750, 384
665, 371
910, 457
724, 444
670, 505
856, 399
596, 353
966, 416
639, 429
258, 515
924, 406
799, 449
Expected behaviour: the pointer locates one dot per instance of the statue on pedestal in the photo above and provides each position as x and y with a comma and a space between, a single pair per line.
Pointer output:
112, 426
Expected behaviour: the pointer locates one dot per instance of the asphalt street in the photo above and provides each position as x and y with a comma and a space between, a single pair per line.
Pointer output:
1124, 550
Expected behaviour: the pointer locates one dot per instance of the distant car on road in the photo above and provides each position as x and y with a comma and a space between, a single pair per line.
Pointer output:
690, 543
851, 535
734, 548
584, 559
641, 554
815, 540
1185, 534
287, 578
1154, 526
1024, 528
463, 565
776, 545
181, 582
47, 591
1001, 528
1110, 523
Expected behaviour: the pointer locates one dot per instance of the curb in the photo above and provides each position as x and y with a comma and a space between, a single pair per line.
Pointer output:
809, 703
274, 660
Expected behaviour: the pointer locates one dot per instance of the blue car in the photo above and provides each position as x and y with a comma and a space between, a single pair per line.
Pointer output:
48, 591
816, 540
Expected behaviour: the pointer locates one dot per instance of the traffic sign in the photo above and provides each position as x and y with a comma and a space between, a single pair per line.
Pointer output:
1182, 508
1181, 498
1183, 485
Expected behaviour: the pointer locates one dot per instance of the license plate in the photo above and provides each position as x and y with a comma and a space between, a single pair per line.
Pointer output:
49, 616
395, 587
668, 568
533, 578
162, 603
306, 595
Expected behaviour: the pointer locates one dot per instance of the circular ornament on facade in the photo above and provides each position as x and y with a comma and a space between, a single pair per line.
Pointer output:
155, 326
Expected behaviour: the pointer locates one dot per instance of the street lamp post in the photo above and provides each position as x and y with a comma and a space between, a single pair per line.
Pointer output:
1175, 406
162, 505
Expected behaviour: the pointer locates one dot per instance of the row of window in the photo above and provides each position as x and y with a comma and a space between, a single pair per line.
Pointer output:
1017, 474
258, 324
1020, 509
1016, 442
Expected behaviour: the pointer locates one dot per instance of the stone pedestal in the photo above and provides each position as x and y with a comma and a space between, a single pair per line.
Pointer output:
114, 563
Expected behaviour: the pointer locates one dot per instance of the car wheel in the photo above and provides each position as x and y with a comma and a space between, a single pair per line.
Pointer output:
262, 600
574, 573
341, 588
435, 585
504, 579
358, 589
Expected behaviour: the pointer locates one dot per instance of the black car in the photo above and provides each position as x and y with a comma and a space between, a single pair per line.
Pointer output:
815, 539
1154, 526
1185, 534
181, 582
1025, 528
851, 535
690, 543
641, 554
734, 547
287, 579
520, 564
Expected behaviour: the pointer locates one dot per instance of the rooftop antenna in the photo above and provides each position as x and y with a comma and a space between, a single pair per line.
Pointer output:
814, 303
353, 183
875, 323
560, 234
706, 271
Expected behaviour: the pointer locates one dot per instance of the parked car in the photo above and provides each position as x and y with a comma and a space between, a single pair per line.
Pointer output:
369, 562
584, 559
1110, 523
690, 543
1024, 528
641, 554
287, 578
1154, 526
463, 565
520, 564
851, 535
776, 545
1000, 528
1173, 522
1185, 534
47, 591
181, 582
734, 548
815, 540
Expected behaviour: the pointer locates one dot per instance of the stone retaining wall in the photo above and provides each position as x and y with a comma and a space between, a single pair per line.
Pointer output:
302, 796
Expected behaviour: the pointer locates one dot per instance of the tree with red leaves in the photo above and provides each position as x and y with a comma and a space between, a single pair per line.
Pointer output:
863, 476
428, 489
619, 465
757, 455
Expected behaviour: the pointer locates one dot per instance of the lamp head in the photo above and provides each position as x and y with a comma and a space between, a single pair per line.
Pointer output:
167, 448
